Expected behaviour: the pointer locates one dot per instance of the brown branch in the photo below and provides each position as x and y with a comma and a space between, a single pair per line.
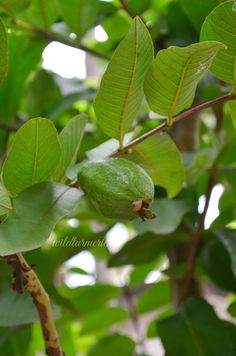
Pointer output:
196, 240
8, 127
55, 37
177, 118
26, 278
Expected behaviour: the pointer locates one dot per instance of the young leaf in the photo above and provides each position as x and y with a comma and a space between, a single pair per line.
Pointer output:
3, 51
34, 155
220, 25
159, 156
80, 15
171, 81
121, 91
70, 138
34, 215
196, 330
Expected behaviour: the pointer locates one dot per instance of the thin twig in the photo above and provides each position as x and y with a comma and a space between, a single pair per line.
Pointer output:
8, 127
55, 37
177, 118
26, 278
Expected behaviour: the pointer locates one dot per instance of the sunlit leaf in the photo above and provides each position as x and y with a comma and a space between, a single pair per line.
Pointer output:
171, 82
34, 155
121, 91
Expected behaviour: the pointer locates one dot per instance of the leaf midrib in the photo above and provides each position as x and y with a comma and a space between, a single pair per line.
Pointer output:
123, 113
179, 87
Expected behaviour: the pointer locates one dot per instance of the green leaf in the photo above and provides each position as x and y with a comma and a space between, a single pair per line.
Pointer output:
152, 327
17, 309
232, 106
196, 330
216, 262
138, 273
171, 82
159, 156
138, 6
70, 138
80, 15
103, 318
114, 345
34, 155
169, 214
3, 51
220, 25
5, 201
90, 298
34, 215
12, 7
40, 13
232, 309
121, 91
24, 54
197, 10
155, 297
146, 248
43, 94
228, 239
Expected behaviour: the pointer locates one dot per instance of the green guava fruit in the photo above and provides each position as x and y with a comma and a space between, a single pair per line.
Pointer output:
118, 188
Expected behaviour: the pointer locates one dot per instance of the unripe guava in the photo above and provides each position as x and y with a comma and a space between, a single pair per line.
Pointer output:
118, 188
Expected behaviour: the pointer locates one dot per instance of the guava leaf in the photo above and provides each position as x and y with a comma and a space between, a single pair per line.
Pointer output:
34, 155
3, 51
70, 138
171, 81
159, 156
34, 214
121, 91
220, 25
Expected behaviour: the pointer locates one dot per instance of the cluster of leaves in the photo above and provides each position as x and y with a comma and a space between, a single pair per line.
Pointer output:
136, 93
